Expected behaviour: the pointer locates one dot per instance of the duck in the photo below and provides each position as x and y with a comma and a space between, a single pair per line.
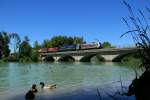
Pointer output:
53, 86
30, 95
34, 88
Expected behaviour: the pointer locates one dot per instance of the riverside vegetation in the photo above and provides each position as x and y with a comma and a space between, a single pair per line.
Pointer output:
139, 29
22, 51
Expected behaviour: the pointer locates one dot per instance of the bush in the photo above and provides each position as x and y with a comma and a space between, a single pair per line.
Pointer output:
25, 59
35, 56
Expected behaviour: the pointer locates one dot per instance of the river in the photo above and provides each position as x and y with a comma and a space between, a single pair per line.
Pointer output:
75, 81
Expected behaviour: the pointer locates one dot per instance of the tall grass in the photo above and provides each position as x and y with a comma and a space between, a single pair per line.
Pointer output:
139, 29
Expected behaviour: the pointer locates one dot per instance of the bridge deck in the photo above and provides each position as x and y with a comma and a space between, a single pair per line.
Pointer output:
108, 51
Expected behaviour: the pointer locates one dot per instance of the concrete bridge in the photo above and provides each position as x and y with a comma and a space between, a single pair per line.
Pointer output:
110, 54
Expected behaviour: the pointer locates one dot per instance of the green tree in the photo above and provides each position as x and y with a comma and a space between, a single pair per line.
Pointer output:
106, 45
59, 41
36, 45
64, 40
4, 44
25, 50
78, 40
35, 56
6, 51
26, 39
1, 42
46, 43
0, 53
69, 41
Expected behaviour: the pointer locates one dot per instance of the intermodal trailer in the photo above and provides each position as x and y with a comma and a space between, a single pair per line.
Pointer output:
67, 48
54, 49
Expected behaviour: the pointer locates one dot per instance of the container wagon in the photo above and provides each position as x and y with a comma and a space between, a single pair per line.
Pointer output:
55, 49
67, 48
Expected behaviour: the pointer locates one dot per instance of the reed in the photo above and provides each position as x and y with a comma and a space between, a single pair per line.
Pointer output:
139, 29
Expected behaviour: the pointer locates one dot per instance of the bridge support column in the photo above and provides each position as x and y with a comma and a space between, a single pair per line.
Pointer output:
42, 58
77, 58
109, 58
56, 58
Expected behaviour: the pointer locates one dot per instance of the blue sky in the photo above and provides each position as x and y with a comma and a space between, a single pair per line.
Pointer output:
43, 19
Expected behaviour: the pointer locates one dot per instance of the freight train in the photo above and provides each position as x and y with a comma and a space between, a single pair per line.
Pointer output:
74, 47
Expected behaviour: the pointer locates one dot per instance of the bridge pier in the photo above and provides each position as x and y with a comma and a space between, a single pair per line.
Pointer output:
56, 58
77, 58
109, 58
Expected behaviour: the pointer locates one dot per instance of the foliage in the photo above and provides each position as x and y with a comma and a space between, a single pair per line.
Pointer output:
25, 50
5, 50
139, 29
140, 33
35, 56
26, 39
22, 50
25, 59
78, 40
0, 53
106, 45
4, 44
61, 40
11, 58
26, 53
131, 58
36, 45
46, 43
57, 41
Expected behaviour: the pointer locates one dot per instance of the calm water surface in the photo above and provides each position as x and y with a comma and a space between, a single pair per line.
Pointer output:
17, 78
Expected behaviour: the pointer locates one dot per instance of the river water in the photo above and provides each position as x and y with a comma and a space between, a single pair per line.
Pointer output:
75, 81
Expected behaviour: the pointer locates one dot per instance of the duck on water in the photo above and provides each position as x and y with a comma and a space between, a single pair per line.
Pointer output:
30, 95
43, 86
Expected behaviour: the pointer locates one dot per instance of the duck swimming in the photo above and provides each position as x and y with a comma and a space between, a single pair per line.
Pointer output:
34, 88
53, 86
30, 95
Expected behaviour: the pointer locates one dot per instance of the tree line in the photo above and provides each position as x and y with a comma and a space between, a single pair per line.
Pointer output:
23, 51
